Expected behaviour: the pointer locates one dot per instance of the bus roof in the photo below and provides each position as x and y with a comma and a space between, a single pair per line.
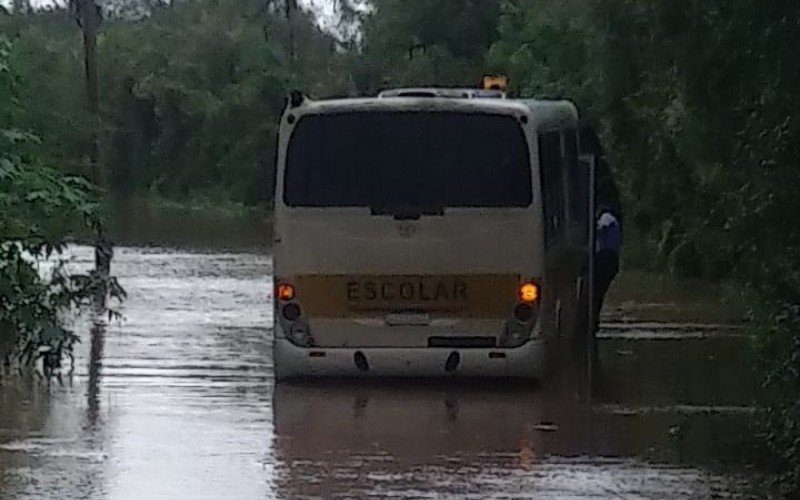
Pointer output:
546, 114
453, 93
552, 113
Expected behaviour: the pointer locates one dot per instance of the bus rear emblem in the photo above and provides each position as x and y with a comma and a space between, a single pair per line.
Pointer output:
406, 229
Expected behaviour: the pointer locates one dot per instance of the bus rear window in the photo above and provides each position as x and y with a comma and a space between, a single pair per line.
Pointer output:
407, 160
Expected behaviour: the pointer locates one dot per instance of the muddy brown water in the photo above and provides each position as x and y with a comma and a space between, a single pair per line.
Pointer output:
177, 400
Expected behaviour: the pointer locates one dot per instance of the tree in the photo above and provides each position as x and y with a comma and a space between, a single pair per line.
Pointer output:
41, 208
418, 42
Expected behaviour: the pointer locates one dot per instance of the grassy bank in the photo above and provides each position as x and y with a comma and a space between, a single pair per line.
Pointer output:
661, 297
194, 223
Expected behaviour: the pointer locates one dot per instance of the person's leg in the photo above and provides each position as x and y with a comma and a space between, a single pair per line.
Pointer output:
605, 269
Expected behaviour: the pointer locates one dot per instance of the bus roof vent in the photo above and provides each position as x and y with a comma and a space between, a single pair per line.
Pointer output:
451, 93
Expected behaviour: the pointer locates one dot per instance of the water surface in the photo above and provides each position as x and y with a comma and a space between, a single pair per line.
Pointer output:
178, 401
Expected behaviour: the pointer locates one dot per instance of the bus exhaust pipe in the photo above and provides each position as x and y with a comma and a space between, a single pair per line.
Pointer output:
452, 362
361, 361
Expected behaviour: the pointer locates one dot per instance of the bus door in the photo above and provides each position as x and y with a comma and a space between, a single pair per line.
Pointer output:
585, 231
583, 220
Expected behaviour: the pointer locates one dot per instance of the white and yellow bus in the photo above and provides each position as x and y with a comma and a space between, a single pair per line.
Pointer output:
428, 232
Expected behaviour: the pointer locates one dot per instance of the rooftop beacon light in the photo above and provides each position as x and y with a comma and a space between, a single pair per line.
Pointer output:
495, 82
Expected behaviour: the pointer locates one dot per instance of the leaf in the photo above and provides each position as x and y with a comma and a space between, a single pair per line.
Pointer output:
7, 168
17, 136
35, 196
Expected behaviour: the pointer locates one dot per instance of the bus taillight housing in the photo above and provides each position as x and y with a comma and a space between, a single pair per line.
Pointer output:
290, 315
528, 307
519, 328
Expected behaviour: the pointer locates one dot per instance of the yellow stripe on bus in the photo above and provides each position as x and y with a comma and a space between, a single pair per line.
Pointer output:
474, 295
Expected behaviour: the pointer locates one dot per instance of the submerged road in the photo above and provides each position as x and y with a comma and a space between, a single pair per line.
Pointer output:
177, 400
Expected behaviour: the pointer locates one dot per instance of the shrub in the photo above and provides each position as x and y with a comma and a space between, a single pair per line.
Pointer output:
41, 210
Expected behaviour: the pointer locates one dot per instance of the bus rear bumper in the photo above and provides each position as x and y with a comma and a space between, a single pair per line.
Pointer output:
526, 361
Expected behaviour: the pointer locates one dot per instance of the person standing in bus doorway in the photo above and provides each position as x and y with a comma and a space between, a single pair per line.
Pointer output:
608, 239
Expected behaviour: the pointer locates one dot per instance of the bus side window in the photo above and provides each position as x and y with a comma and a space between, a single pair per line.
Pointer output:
577, 190
584, 183
552, 182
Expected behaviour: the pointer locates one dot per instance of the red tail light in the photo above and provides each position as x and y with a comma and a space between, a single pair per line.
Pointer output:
284, 291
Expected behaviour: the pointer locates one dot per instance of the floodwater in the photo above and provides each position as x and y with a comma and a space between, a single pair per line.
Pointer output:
177, 400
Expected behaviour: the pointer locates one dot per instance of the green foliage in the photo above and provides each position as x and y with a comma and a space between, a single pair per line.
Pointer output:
424, 42
54, 106
40, 209
191, 91
780, 349
200, 118
687, 98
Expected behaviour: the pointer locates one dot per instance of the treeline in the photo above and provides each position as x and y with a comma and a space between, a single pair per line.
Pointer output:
696, 101
190, 91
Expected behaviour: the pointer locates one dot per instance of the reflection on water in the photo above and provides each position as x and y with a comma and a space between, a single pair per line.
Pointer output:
96, 343
177, 401
372, 439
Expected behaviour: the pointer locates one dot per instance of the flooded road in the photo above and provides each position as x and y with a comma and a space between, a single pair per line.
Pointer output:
177, 400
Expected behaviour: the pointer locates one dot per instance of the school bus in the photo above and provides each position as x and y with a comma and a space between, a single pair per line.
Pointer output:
428, 232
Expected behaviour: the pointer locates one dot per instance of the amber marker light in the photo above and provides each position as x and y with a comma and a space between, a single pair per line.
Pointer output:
528, 292
285, 291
